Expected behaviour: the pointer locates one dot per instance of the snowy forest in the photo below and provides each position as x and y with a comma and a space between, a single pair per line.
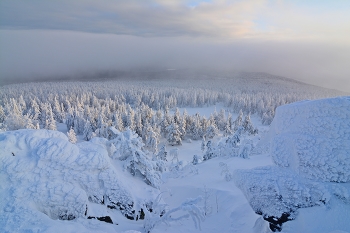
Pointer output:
141, 126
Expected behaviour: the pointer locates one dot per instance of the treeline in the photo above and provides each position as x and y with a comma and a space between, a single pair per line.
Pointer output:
90, 108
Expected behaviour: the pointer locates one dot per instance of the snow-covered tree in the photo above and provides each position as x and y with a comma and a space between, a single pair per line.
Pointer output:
195, 160
239, 121
129, 149
162, 153
152, 139
88, 133
248, 126
203, 144
50, 122
29, 122
210, 152
14, 119
174, 135
71, 136
212, 131
2, 114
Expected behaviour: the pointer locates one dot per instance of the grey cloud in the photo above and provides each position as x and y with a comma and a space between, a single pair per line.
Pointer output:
141, 18
52, 53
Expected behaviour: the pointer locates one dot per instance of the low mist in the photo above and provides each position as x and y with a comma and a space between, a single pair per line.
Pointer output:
32, 54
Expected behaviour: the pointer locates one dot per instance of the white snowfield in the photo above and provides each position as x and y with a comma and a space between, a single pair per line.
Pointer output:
309, 142
42, 172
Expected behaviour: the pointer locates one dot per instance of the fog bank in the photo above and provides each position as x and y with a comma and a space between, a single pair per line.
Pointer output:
48, 53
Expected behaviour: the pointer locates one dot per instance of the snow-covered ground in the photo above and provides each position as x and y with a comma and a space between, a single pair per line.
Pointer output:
45, 179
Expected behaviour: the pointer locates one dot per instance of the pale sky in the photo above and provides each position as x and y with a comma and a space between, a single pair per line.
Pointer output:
308, 40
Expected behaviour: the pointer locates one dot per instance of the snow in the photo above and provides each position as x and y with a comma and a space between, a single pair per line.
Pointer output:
44, 177
48, 179
313, 138
309, 143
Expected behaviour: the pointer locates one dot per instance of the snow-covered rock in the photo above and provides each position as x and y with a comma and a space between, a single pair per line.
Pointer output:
41, 171
313, 138
309, 142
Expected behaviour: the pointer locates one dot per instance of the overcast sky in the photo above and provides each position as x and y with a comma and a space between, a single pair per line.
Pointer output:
308, 40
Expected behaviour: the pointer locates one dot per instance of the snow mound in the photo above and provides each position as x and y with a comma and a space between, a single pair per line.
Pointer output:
309, 142
273, 191
41, 170
313, 138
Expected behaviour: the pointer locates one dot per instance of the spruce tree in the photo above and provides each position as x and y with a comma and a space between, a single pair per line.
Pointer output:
71, 136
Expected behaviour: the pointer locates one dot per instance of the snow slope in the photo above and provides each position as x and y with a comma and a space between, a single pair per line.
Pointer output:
309, 142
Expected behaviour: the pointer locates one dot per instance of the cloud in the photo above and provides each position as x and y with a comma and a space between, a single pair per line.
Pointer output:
42, 53
235, 19
305, 40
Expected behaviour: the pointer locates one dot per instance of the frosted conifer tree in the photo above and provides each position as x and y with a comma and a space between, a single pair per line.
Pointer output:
129, 148
174, 135
34, 110
239, 120
2, 114
50, 123
210, 152
248, 126
88, 133
152, 140
71, 136
196, 128
29, 122
212, 131
195, 160
162, 153
203, 144
14, 119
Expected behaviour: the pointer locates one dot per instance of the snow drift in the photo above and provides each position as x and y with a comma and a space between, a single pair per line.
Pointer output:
309, 141
42, 170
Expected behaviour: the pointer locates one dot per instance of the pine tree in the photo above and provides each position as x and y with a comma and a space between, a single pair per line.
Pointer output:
14, 119
238, 122
248, 126
174, 135
210, 152
2, 114
88, 133
195, 160
203, 144
162, 153
50, 122
212, 131
71, 136
152, 139
29, 122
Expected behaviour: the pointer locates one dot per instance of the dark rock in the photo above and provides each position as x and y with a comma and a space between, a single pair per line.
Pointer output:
276, 223
66, 217
106, 219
